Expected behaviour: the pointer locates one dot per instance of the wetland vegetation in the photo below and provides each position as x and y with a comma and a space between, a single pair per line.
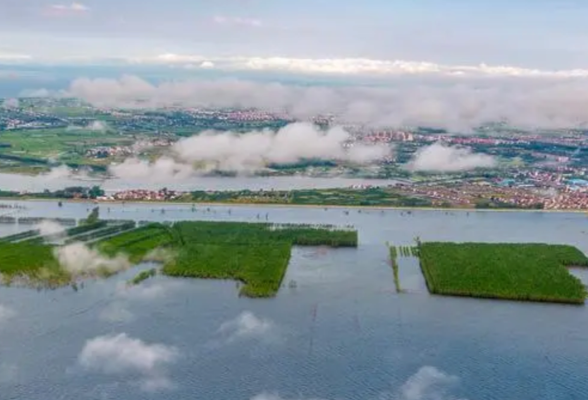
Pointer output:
529, 272
256, 254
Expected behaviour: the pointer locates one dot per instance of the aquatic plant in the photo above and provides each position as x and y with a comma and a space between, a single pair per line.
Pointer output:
33, 263
142, 276
394, 262
256, 254
532, 272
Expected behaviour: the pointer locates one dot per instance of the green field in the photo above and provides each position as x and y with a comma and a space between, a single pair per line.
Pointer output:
255, 254
383, 197
31, 263
528, 272
28, 150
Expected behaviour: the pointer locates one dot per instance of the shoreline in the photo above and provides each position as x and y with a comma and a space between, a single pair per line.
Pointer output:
284, 205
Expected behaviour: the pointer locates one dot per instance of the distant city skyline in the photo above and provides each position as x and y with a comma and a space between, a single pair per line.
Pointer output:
306, 36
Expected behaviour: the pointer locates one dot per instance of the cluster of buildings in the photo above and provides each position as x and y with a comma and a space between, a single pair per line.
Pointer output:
253, 115
388, 136
109, 151
143, 195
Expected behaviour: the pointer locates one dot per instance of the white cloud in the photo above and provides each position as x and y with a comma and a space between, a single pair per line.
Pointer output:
356, 66
147, 291
450, 103
126, 295
72, 7
236, 21
116, 312
6, 313
47, 228
207, 65
254, 150
56, 173
124, 355
97, 126
81, 260
14, 57
429, 383
442, 158
247, 326
249, 152
161, 170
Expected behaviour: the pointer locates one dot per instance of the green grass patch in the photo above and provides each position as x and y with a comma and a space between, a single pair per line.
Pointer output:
260, 267
34, 264
528, 272
256, 254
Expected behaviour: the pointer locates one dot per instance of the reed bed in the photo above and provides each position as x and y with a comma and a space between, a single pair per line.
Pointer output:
32, 262
142, 276
527, 272
394, 263
256, 254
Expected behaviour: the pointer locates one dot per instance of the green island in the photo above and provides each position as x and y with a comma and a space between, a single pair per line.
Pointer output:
256, 254
526, 272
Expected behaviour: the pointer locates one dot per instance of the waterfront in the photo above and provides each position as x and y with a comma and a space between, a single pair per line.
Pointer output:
38, 183
341, 333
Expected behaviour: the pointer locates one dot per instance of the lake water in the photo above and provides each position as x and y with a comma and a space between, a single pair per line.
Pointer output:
341, 334
39, 183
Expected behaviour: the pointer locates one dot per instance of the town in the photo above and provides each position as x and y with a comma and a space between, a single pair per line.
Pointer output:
541, 169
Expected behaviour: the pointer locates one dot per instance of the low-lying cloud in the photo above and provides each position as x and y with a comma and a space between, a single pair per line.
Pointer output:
250, 152
6, 313
119, 311
429, 383
123, 355
160, 170
49, 228
442, 158
454, 102
255, 150
81, 260
60, 172
247, 326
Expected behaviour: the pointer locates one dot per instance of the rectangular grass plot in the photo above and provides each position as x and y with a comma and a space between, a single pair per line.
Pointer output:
531, 272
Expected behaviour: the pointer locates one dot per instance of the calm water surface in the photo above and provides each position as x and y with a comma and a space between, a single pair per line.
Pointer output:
41, 182
341, 333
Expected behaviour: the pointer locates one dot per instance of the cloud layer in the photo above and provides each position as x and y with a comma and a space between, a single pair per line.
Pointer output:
247, 326
250, 152
123, 355
455, 103
6, 313
161, 170
81, 260
441, 158
48, 228
255, 150
429, 383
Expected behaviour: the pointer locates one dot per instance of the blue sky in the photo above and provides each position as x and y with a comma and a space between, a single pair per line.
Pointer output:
543, 34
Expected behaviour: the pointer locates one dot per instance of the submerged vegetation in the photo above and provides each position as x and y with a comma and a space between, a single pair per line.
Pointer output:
531, 272
394, 262
143, 276
256, 254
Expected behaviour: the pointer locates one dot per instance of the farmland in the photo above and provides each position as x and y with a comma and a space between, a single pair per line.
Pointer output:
255, 254
527, 272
